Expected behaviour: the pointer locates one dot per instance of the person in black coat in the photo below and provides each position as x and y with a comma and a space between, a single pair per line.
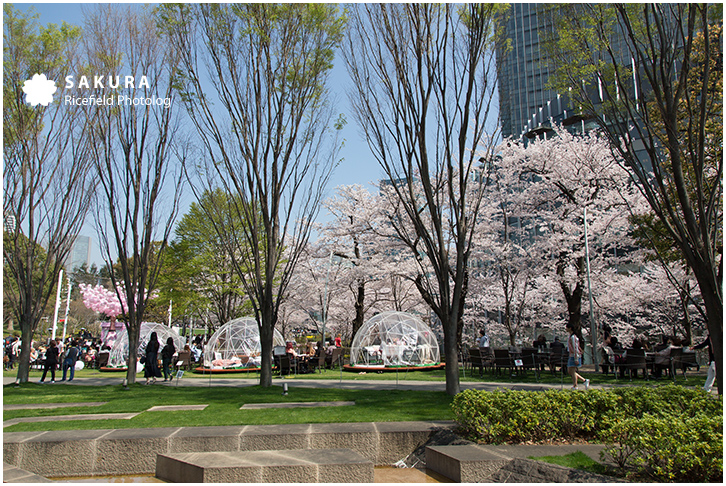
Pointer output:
151, 366
51, 361
167, 354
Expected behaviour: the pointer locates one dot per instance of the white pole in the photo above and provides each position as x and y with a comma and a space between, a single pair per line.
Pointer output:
593, 328
325, 295
169, 312
57, 303
68, 304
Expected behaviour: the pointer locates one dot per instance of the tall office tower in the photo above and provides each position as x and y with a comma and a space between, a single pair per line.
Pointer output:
80, 253
527, 108
523, 70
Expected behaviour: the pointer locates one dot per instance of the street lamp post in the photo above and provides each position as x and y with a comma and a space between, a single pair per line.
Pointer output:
593, 328
325, 295
68, 304
57, 303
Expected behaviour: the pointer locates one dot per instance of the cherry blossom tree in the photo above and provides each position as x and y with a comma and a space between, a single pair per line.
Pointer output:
551, 183
104, 301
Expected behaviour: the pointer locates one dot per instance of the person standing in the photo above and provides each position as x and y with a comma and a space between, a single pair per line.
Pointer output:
711, 376
575, 358
69, 361
51, 361
167, 354
483, 340
151, 366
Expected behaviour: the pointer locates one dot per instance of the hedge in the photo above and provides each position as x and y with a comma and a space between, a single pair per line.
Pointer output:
668, 433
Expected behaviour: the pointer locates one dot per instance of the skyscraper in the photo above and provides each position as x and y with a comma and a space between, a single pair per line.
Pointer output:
523, 70
80, 253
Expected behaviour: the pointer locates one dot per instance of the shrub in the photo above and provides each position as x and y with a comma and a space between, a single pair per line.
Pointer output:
518, 416
668, 433
665, 400
668, 448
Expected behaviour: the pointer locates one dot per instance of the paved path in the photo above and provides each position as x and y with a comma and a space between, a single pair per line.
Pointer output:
346, 383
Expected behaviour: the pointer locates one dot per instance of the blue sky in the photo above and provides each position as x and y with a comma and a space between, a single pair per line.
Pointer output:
358, 165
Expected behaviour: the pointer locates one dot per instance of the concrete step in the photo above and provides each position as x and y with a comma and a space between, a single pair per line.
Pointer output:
464, 463
12, 474
287, 466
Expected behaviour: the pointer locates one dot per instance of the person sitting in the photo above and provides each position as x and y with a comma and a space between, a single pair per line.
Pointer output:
540, 342
636, 346
608, 355
290, 349
556, 345
663, 357
196, 353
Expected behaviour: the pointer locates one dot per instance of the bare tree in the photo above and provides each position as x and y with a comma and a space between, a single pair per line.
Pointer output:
254, 78
137, 156
424, 80
658, 96
47, 184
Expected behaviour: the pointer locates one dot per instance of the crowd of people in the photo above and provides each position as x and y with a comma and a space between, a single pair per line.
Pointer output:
56, 352
614, 354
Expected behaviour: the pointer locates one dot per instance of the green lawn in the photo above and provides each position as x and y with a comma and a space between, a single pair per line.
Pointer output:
576, 460
224, 406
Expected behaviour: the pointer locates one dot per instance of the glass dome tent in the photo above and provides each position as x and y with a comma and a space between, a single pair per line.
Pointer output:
120, 351
394, 339
237, 345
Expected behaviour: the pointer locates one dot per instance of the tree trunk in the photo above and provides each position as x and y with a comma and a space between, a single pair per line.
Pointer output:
573, 297
134, 333
266, 343
24, 359
452, 356
714, 311
359, 308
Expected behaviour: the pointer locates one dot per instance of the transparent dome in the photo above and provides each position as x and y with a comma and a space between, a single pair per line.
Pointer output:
120, 351
394, 339
237, 345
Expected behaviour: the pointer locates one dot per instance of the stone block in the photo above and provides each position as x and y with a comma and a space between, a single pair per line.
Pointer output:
397, 440
341, 466
275, 437
60, 453
131, 451
178, 468
360, 437
206, 439
290, 466
11, 452
464, 463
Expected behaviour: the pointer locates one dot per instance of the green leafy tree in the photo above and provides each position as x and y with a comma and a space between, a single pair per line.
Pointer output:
47, 182
659, 68
198, 273
254, 79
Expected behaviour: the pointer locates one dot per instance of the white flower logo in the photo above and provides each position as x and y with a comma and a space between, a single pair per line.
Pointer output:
39, 90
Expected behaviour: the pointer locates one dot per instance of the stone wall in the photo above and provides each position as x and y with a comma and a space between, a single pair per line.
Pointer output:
134, 451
